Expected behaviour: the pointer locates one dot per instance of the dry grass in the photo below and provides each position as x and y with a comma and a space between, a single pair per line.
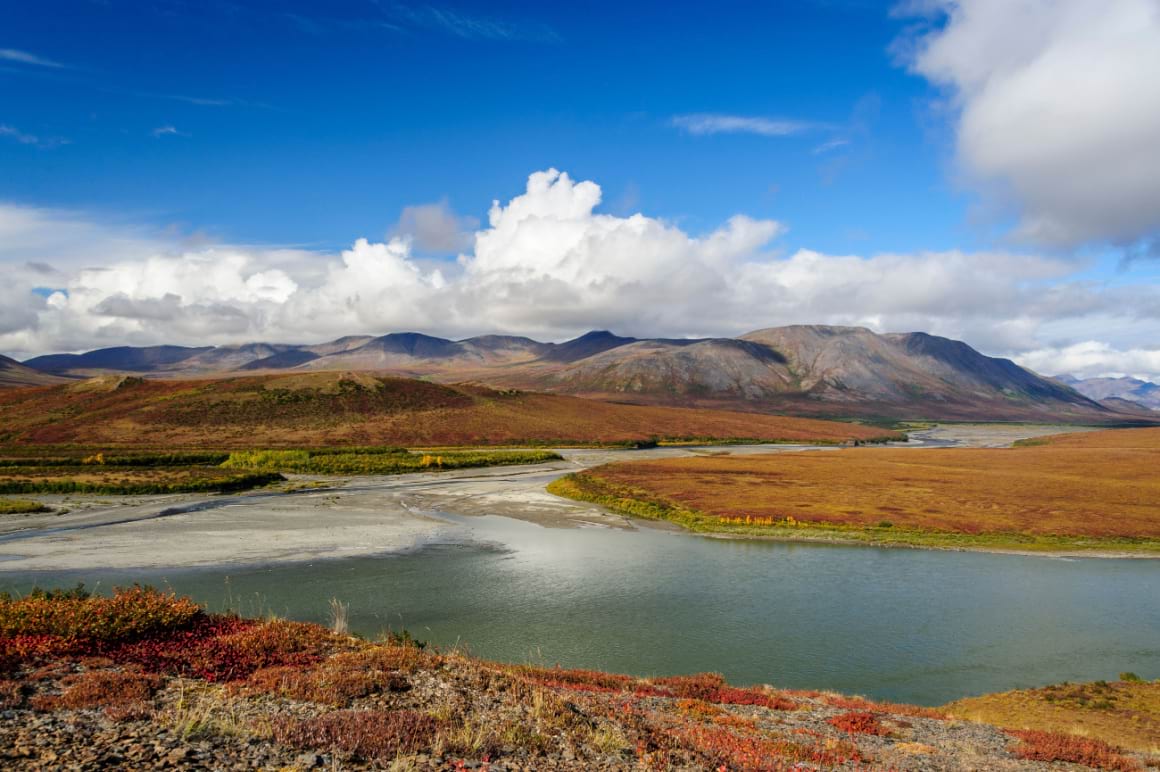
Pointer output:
21, 507
1126, 714
1107, 491
1140, 439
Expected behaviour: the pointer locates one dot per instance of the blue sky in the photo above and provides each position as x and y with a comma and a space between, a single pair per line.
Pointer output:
263, 125
319, 122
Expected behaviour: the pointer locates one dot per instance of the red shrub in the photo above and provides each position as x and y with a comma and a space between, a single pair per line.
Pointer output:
122, 693
860, 703
11, 694
331, 683
859, 723
711, 687
369, 734
130, 613
1053, 746
724, 748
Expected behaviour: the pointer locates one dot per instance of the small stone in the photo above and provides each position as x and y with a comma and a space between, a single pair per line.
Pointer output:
179, 754
308, 760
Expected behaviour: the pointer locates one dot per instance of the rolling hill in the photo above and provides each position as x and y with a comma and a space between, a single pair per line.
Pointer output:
334, 408
802, 370
12, 374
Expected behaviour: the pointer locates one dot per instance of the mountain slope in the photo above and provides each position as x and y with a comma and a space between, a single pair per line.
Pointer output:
14, 374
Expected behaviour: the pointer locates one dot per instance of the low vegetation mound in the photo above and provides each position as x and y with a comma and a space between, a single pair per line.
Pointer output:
21, 507
1068, 496
1116, 439
148, 679
1125, 712
315, 409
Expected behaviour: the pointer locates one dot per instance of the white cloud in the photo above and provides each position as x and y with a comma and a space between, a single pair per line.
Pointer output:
168, 131
715, 123
23, 57
546, 264
1057, 104
1095, 359
16, 135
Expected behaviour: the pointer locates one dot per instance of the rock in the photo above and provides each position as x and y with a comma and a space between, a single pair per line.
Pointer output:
308, 760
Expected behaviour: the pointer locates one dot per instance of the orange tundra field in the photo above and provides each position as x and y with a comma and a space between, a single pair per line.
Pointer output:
1088, 491
330, 409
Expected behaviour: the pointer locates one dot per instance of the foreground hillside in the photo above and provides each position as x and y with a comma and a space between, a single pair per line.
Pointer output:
802, 370
150, 680
314, 409
1078, 492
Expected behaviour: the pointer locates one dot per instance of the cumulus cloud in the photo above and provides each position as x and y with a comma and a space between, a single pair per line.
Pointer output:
436, 228
1057, 109
548, 263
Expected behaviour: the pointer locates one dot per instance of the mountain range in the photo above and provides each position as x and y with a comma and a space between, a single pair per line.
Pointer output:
1127, 389
801, 369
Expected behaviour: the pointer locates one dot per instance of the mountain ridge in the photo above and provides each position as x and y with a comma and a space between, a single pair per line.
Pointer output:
819, 370
1143, 393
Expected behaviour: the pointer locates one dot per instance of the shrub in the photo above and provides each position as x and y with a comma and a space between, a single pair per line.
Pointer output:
228, 649
711, 687
1036, 745
21, 507
856, 722
727, 749
123, 694
340, 679
130, 613
1131, 678
374, 735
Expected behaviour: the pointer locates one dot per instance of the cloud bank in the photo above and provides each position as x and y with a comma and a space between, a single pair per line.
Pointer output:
1057, 110
547, 264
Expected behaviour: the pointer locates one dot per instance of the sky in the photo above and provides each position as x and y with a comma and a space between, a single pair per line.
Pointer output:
227, 171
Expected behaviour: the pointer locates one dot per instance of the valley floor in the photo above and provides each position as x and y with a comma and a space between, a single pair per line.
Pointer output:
315, 517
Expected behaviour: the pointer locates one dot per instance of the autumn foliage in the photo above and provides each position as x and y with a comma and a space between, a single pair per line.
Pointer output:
1037, 745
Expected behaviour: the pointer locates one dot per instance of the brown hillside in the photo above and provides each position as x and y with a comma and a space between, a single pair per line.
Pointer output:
359, 408
14, 374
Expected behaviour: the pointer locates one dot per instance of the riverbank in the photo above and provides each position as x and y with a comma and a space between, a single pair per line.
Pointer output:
146, 680
1092, 495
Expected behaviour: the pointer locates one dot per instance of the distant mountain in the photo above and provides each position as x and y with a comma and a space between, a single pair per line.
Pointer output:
1135, 390
802, 369
588, 344
120, 359
12, 373
823, 370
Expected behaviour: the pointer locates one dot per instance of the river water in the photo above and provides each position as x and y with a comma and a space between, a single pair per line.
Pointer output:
900, 624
